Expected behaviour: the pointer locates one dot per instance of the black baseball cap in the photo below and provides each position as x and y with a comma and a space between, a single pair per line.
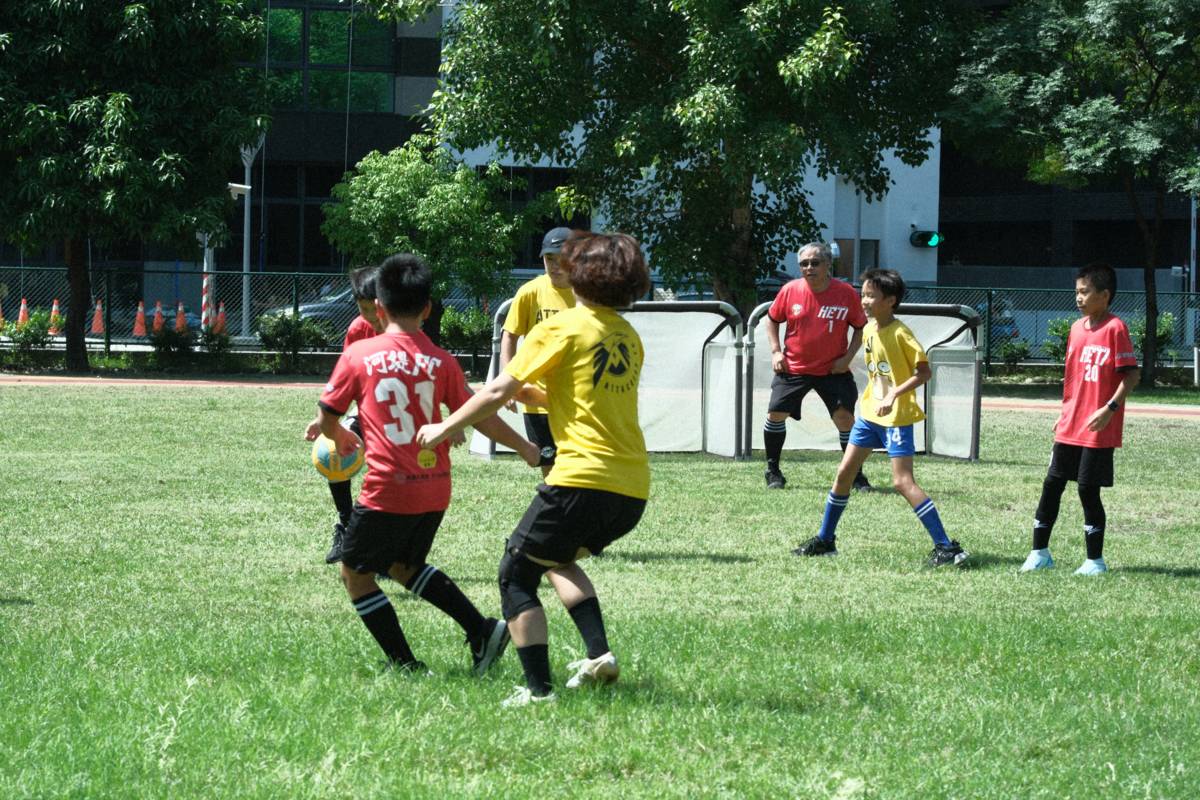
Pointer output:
552, 242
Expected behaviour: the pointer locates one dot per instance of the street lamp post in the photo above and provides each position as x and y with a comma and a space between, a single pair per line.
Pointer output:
249, 153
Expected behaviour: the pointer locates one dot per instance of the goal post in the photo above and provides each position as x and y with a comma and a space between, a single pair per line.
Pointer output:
951, 398
690, 392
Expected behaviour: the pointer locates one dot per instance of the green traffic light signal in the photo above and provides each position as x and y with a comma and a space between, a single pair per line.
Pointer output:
925, 238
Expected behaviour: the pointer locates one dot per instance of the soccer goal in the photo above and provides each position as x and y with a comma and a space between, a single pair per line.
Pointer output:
690, 394
950, 400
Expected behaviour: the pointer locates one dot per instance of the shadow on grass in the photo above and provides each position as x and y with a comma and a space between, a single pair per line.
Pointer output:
715, 558
1176, 572
15, 601
985, 560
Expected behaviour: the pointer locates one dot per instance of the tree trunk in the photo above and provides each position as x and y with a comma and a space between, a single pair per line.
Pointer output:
75, 254
1150, 236
432, 326
737, 287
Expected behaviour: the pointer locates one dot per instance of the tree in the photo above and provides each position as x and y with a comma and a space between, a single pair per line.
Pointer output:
694, 123
121, 120
1085, 90
420, 199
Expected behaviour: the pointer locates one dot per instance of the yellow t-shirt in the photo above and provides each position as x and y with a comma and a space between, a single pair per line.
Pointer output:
892, 355
536, 300
590, 359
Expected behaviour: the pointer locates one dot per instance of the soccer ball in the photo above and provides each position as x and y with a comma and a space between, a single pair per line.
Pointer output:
335, 469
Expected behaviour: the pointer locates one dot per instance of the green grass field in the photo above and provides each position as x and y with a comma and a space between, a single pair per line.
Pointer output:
168, 627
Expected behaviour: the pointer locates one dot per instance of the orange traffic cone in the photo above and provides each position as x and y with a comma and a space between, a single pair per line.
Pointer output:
23, 314
98, 321
180, 319
139, 322
55, 318
219, 326
158, 316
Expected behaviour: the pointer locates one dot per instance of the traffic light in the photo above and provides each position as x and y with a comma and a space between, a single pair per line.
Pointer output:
925, 238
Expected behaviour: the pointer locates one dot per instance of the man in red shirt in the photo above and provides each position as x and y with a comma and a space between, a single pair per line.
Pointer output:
818, 310
1101, 370
400, 379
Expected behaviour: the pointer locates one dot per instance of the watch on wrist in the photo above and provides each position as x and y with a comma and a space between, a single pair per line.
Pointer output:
546, 456
1114, 406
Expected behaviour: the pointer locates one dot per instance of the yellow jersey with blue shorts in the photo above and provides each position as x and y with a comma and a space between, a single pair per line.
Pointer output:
589, 359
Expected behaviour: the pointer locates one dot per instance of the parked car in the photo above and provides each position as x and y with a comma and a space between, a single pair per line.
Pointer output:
335, 309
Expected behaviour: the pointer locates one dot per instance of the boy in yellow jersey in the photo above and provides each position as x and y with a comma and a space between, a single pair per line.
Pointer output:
896, 366
589, 359
535, 301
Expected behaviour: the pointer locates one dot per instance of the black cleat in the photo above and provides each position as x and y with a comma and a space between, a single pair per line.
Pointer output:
488, 646
775, 479
335, 547
947, 555
861, 484
816, 546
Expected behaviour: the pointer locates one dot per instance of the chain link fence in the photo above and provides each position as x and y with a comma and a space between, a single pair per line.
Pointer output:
1017, 323
243, 298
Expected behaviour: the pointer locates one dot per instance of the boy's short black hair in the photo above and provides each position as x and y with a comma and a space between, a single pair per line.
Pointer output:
606, 268
1101, 276
403, 285
888, 281
362, 282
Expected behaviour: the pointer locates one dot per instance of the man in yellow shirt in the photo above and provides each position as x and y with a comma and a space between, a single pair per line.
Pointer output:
888, 409
589, 358
535, 301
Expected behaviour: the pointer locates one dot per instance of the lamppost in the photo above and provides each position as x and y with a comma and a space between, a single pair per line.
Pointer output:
249, 153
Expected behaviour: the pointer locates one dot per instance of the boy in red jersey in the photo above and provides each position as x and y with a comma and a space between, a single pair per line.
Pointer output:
399, 380
819, 311
364, 326
1101, 370
589, 359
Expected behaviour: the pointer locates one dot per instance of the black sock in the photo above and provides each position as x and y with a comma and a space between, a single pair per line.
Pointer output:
591, 626
1047, 511
535, 660
376, 612
1094, 520
436, 588
774, 434
341, 499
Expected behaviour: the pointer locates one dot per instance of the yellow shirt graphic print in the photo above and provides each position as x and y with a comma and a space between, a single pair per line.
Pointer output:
590, 360
892, 355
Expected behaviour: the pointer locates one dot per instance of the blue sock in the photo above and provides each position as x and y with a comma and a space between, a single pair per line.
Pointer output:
835, 504
927, 513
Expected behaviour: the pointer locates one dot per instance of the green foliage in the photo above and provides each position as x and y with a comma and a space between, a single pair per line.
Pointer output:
1013, 352
1055, 345
288, 334
696, 124
215, 342
32, 336
466, 331
420, 199
1164, 335
170, 344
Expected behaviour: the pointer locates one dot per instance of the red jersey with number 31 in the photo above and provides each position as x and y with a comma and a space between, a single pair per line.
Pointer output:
1090, 380
400, 381
816, 324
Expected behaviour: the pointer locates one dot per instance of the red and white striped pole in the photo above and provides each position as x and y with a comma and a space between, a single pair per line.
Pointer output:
206, 302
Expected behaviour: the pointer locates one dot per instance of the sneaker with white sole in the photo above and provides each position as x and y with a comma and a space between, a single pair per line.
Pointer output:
1037, 559
523, 696
589, 671
1092, 566
488, 646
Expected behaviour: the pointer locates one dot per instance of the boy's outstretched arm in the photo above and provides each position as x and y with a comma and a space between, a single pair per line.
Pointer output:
476, 411
346, 440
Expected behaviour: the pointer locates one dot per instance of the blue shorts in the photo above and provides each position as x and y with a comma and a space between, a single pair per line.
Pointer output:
897, 440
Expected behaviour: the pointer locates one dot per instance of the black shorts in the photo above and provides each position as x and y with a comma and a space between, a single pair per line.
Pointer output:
537, 430
352, 424
836, 391
562, 519
374, 540
1088, 466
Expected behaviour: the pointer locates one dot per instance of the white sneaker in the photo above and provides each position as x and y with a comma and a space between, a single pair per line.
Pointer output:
1037, 559
1092, 566
601, 669
523, 696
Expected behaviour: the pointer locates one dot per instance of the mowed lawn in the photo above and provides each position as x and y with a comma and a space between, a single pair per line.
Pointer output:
168, 627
